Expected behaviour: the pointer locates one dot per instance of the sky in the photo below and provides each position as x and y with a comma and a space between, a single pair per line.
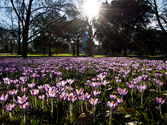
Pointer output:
6, 21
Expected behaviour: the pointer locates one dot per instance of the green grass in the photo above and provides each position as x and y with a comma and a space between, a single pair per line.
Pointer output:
82, 55
53, 55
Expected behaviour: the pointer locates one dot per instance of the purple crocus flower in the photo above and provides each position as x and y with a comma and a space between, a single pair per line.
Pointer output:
96, 93
21, 100
13, 92
130, 86
24, 89
95, 84
63, 96
79, 92
15, 81
101, 77
61, 89
32, 85
51, 93
72, 97
62, 83
24, 106
119, 101
111, 104
105, 82
81, 97
122, 92
113, 97
22, 80
141, 88
160, 101
40, 87
87, 96
34, 92
93, 101
42, 97
70, 81
3, 98
17, 85
46, 87
160, 83
118, 80
7, 81
10, 107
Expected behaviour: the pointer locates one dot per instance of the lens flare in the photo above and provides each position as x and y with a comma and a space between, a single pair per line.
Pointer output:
91, 8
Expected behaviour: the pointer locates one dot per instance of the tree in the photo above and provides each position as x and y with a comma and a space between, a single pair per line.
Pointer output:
123, 17
51, 33
160, 12
27, 12
73, 31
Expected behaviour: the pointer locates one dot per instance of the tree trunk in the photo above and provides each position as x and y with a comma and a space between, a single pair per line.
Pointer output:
73, 49
158, 18
11, 47
19, 48
19, 39
50, 51
25, 45
90, 42
44, 50
125, 53
113, 52
106, 47
26, 30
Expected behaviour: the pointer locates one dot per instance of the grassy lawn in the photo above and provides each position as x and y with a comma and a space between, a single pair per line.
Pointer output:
157, 57
53, 55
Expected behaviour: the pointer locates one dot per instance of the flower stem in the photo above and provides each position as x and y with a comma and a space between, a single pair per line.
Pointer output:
51, 106
24, 117
57, 109
71, 115
159, 89
81, 106
2, 110
86, 105
141, 99
13, 99
47, 100
160, 111
110, 118
42, 104
35, 102
94, 110
10, 115
156, 88
132, 96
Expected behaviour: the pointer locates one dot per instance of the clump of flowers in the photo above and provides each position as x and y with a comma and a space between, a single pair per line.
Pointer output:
141, 88
2, 101
111, 105
71, 98
35, 92
160, 101
42, 97
94, 102
10, 108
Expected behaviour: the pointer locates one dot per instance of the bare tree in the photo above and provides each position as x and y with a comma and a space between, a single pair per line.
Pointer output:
27, 11
160, 12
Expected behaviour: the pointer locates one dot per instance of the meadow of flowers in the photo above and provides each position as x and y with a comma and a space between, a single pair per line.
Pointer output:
83, 90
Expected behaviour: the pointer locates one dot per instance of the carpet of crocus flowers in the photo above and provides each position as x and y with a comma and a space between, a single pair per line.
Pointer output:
83, 90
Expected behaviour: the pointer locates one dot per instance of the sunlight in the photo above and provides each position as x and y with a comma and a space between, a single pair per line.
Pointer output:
91, 8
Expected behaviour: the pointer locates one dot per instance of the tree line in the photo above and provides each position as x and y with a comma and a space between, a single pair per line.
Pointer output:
46, 25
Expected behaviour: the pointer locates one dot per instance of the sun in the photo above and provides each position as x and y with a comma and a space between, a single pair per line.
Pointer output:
91, 8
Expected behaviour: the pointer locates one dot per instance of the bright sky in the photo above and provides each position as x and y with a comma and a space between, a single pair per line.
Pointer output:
6, 21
